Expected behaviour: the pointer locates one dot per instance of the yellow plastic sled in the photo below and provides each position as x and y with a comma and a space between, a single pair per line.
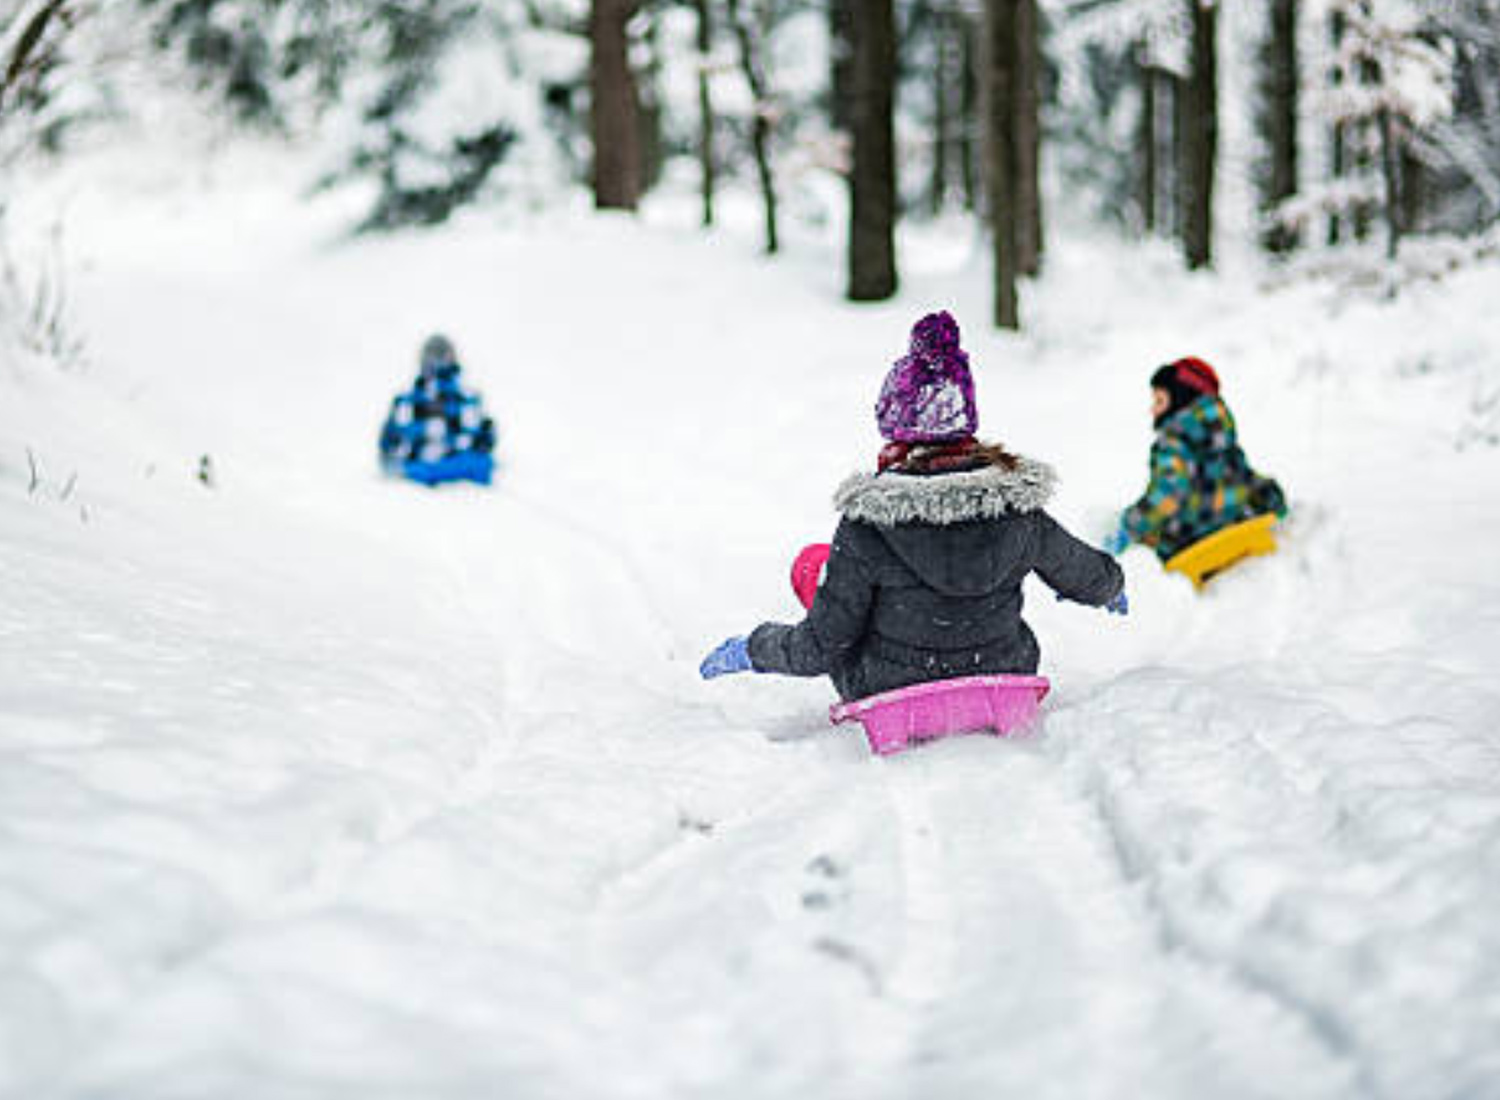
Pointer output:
1216, 553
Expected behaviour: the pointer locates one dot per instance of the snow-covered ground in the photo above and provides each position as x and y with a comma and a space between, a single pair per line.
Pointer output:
313, 785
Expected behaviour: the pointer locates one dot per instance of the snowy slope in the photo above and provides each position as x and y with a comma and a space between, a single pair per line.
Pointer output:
314, 785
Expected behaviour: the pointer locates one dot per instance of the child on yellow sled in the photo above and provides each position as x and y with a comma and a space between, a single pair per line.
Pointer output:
1201, 481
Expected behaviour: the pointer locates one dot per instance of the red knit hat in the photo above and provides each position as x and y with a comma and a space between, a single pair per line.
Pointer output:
1195, 374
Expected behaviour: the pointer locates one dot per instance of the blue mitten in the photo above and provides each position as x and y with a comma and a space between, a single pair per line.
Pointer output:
1120, 605
731, 656
1115, 545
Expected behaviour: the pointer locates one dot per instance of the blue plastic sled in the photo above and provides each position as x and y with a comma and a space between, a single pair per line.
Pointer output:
468, 466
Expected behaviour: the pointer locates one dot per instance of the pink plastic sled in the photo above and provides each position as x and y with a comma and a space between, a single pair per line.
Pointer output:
927, 712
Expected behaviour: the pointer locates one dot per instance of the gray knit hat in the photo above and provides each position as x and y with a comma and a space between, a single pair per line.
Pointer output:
437, 351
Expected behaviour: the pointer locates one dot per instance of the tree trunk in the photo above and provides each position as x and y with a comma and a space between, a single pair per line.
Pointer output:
942, 106
652, 113
1200, 137
872, 182
760, 125
968, 110
706, 161
1170, 167
842, 15
1028, 138
1337, 138
1281, 76
1000, 70
615, 107
1146, 139
1414, 191
1390, 169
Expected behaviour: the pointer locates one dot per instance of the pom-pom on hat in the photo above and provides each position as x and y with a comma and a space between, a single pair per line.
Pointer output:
928, 396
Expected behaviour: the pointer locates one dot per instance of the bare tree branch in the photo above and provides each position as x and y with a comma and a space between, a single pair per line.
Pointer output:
28, 48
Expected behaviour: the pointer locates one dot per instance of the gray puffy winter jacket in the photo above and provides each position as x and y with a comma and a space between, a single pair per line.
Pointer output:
924, 581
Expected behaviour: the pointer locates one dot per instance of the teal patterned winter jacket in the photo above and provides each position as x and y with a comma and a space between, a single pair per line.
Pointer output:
1200, 481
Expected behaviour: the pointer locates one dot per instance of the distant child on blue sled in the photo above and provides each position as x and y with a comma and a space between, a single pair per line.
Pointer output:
436, 432
923, 578
1201, 481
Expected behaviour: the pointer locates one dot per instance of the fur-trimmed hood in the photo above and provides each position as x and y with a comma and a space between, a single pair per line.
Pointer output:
891, 499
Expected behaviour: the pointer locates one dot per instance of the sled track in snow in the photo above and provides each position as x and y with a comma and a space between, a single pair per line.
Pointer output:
1015, 907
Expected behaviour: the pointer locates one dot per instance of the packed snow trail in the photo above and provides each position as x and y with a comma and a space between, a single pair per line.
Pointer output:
316, 785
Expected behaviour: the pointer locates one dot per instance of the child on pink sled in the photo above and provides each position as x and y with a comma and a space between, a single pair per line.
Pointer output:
923, 577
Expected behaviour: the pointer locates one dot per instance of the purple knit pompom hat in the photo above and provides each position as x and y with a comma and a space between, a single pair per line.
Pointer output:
928, 397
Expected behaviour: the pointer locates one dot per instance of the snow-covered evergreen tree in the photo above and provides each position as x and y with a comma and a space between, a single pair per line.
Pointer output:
1462, 151
1119, 63
44, 50
34, 58
1389, 87
422, 93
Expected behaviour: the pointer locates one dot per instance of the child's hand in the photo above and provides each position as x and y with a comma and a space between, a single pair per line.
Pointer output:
1116, 544
730, 656
1120, 605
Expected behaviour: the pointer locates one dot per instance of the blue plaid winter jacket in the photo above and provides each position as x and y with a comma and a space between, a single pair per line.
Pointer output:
434, 420
1200, 481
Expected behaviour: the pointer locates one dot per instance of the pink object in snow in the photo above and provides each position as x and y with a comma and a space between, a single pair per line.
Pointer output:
926, 712
807, 571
